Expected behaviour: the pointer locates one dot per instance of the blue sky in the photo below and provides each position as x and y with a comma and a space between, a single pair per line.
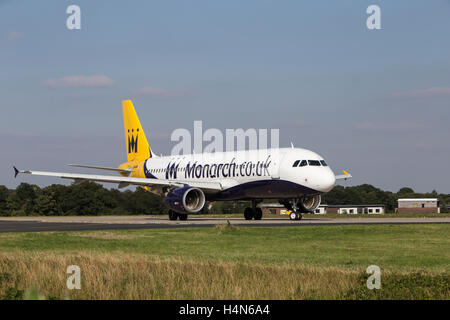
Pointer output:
374, 102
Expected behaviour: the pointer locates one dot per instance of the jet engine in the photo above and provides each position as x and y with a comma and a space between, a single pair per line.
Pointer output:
185, 200
309, 203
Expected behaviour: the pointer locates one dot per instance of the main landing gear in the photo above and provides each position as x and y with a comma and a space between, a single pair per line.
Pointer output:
175, 215
253, 212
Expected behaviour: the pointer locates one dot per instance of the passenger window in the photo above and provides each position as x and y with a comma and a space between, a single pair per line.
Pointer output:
314, 163
303, 163
296, 163
323, 163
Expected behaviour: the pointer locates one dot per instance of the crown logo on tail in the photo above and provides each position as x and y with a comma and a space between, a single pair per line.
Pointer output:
133, 142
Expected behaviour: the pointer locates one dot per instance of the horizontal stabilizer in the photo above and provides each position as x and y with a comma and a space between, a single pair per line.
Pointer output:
16, 172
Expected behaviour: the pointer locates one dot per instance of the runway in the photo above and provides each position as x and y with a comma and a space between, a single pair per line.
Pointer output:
40, 224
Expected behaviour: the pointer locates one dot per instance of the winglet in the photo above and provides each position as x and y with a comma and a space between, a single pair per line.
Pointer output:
344, 176
16, 171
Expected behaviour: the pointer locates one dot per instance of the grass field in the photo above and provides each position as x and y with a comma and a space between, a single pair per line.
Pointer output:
314, 262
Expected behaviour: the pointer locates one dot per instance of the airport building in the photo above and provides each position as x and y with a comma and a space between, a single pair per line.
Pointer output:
419, 205
273, 208
324, 209
321, 209
352, 209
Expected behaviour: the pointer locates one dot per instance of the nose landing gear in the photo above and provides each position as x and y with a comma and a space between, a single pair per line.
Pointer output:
293, 207
295, 216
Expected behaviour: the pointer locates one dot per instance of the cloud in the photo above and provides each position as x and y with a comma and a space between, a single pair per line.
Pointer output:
423, 93
162, 93
79, 81
14, 35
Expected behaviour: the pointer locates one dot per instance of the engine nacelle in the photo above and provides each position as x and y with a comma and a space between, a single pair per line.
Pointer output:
185, 200
309, 204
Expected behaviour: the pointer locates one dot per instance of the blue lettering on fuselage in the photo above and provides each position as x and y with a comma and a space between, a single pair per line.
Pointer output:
172, 169
195, 170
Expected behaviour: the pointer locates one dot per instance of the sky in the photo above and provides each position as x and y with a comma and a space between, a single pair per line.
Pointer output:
373, 102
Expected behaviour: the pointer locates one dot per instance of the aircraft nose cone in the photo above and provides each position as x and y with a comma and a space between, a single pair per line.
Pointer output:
326, 182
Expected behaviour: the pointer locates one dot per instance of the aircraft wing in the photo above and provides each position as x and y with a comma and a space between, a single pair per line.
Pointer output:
124, 171
125, 181
344, 176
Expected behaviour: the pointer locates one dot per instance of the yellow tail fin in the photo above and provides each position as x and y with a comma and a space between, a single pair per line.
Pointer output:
137, 145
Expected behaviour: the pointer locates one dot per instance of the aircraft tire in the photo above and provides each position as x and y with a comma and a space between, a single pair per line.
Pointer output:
299, 216
173, 215
248, 213
293, 216
258, 214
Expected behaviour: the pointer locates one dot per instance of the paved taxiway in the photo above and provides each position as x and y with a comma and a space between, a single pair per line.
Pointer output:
35, 224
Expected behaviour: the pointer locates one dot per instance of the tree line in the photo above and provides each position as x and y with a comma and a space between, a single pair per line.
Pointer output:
368, 194
89, 198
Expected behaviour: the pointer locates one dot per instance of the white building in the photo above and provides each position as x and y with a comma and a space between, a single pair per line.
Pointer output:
422, 205
351, 209
321, 209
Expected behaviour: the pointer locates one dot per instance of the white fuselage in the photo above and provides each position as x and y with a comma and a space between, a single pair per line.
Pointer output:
268, 173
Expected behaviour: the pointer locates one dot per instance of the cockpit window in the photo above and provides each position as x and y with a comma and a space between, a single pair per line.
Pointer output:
296, 163
323, 163
314, 163
303, 163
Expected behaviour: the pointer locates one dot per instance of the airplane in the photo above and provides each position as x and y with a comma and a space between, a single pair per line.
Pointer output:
295, 177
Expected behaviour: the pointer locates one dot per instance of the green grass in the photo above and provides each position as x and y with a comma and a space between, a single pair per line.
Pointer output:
230, 262
392, 247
